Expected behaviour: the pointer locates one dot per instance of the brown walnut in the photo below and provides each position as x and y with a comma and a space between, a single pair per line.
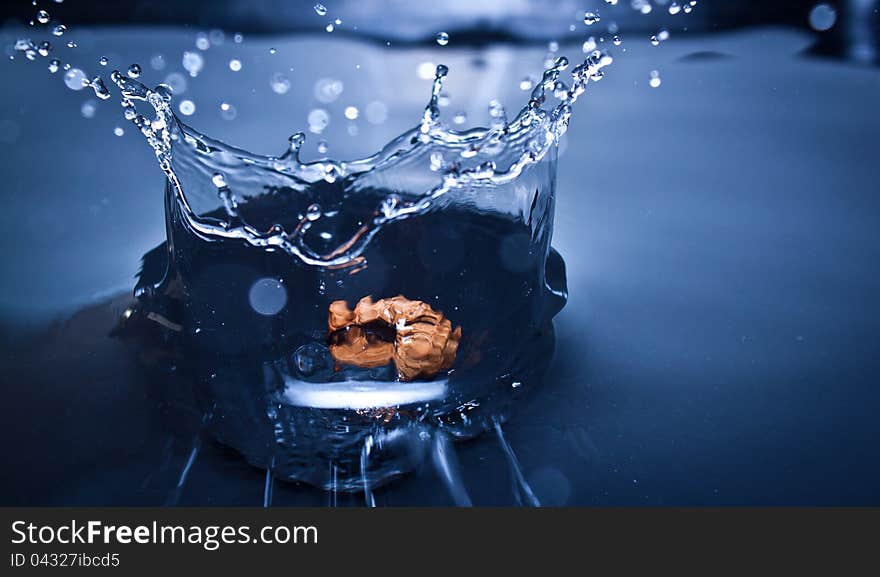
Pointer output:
419, 340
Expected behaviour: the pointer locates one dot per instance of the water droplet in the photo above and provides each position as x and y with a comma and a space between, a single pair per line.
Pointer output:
228, 111
157, 62
134, 71
426, 70
589, 46
320, 10
238, 38
663, 35
616, 41
202, 42
100, 88
655, 41
327, 89
71, 44
280, 83
42, 17
313, 213
267, 296
89, 108
526, 83
75, 79
54, 65
272, 51
193, 63
59, 29
323, 147
44, 48
591, 18
376, 112
674, 8
442, 38
235, 64
612, 2
459, 118
118, 131
103, 61
177, 82
318, 120
823, 17
329, 27
655, 81
217, 37
187, 107
351, 112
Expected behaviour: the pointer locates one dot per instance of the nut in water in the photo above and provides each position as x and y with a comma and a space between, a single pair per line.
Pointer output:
419, 340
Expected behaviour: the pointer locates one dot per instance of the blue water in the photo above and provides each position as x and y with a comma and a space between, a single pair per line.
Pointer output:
719, 346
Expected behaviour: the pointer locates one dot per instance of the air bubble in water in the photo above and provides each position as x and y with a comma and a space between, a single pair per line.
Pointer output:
655, 81
75, 79
311, 358
134, 71
280, 83
88, 109
187, 107
822, 17
235, 64
193, 63
591, 18
442, 38
59, 30
42, 17
318, 120
320, 10
351, 112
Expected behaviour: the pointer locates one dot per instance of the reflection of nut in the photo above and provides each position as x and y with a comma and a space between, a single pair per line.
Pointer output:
423, 340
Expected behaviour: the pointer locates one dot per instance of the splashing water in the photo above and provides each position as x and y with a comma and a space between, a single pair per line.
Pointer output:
258, 246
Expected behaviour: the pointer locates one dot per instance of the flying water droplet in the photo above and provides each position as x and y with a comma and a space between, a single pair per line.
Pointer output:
103, 61
318, 120
42, 17
75, 79
280, 83
351, 112
235, 64
54, 65
88, 109
134, 71
187, 107
118, 131
59, 30
591, 18
442, 38
193, 63
655, 81
320, 10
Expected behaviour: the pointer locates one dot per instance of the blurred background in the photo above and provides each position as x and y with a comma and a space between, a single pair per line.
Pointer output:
717, 211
